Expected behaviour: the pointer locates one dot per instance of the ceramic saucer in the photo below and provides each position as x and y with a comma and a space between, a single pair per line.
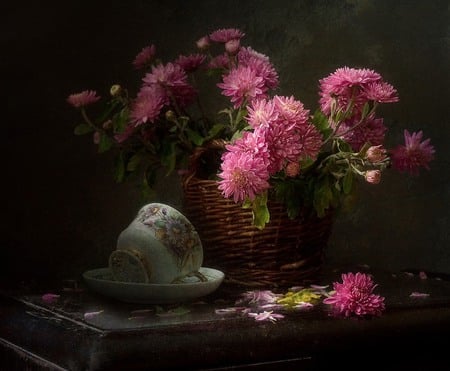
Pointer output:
101, 281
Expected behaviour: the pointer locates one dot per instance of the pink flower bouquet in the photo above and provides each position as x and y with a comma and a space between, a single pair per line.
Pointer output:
275, 147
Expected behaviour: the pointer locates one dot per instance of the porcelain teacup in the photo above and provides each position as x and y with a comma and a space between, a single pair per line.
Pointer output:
160, 246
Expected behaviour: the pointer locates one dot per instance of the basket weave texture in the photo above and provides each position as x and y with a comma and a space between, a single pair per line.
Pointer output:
283, 254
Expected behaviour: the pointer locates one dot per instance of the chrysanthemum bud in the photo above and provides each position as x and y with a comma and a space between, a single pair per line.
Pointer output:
376, 154
203, 42
96, 137
232, 46
115, 90
171, 116
292, 169
373, 176
107, 124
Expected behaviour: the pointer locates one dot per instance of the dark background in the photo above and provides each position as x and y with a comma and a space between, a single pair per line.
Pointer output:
63, 209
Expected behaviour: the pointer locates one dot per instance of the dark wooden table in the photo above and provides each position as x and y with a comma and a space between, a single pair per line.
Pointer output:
412, 333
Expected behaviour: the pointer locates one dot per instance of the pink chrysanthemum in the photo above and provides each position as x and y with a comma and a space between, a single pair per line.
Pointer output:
373, 131
311, 141
284, 146
174, 80
147, 105
261, 64
415, 154
83, 99
190, 62
221, 61
354, 296
169, 74
252, 142
291, 109
242, 84
380, 92
144, 57
226, 34
261, 112
345, 78
243, 176
343, 85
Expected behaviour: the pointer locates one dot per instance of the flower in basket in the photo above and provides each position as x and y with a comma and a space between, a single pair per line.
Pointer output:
271, 147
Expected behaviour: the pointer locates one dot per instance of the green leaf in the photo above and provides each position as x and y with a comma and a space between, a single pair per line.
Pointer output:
240, 115
83, 129
150, 177
119, 167
261, 214
169, 156
347, 182
111, 106
134, 162
365, 110
306, 163
105, 143
320, 121
323, 196
344, 146
195, 137
215, 130
120, 121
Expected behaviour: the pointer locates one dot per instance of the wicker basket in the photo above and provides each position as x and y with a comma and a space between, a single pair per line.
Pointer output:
283, 254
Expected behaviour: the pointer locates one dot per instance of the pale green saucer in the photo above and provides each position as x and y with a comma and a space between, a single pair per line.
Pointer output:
101, 281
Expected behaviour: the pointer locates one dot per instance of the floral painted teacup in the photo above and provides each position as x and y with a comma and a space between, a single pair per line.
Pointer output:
159, 246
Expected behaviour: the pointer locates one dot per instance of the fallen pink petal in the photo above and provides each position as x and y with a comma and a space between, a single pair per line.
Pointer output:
231, 310
50, 298
266, 316
319, 287
271, 306
303, 305
89, 315
258, 297
416, 294
423, 275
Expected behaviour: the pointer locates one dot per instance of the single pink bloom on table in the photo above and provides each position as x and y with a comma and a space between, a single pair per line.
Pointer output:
354, 296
